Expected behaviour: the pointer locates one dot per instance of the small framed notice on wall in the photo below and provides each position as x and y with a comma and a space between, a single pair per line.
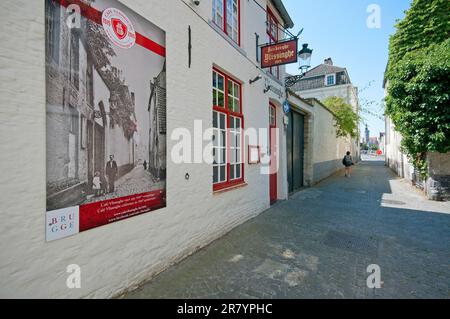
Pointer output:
254, 154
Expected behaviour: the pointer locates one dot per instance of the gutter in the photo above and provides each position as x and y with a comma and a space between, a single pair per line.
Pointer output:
288, 23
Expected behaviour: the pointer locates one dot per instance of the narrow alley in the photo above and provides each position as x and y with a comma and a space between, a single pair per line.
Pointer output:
320, 243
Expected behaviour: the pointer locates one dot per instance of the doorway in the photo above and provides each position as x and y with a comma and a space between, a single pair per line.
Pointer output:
295, 140
273, 153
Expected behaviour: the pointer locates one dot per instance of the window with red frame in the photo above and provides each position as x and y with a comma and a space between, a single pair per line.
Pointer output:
226, 14
272, 32
228, 122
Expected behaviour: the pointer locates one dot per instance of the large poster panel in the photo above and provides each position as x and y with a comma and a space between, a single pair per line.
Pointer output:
106, 115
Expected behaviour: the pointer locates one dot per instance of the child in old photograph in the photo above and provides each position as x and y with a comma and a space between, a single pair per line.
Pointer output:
97, 184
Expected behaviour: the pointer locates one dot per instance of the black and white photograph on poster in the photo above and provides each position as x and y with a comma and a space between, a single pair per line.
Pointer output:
106, 106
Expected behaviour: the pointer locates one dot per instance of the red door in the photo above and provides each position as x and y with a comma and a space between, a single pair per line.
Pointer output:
272, 152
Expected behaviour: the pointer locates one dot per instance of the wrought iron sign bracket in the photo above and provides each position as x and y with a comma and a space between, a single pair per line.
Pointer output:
292, 80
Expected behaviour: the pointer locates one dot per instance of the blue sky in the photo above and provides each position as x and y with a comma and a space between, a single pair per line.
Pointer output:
338, 29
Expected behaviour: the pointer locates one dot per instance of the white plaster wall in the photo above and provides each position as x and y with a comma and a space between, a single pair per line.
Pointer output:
325, 92
123, 254
395, 159
350, 94
328, 149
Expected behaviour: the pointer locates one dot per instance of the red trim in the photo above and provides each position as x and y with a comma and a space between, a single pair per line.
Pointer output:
239, 22
275, 114
226, 185
96, 16
228, 113
224, 26
271, 16
273, 178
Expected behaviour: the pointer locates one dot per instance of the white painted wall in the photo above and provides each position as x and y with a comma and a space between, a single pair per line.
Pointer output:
394, 157
323, 150
349, 93
123, 254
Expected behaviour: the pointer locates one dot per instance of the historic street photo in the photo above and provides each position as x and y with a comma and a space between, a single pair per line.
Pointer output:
106, 104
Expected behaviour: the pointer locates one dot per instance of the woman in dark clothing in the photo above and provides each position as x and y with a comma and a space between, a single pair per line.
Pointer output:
348, 163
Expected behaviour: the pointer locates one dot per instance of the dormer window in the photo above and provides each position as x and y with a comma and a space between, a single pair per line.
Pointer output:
330, 79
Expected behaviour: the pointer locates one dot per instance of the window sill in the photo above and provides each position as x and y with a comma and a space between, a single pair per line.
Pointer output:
229, 188
226, 37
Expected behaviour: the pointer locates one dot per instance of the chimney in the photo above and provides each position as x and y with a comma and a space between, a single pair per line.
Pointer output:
328, 61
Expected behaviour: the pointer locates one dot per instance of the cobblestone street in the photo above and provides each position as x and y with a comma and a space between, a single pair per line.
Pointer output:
135, 182
319, 244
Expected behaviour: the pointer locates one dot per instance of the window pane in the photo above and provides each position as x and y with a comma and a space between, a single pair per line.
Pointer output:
220, 80
223, 157
216, 156
222, 121
238, 171
215, 119
230, 103
220, 99
223, 177
215, 138
229, 31
215, 174
232, 168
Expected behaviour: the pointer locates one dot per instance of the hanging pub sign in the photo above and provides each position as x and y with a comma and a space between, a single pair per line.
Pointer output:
279, 53
105, 115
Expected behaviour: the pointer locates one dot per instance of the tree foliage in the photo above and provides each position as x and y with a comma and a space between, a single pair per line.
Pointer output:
364, 147
346, 119
419, 80
418, 101
427, 22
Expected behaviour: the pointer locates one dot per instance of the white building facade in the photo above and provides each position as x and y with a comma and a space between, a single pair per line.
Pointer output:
208, 83
327, 80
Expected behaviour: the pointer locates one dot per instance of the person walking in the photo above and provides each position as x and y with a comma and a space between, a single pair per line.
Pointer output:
111, 172
347, 161
145, 165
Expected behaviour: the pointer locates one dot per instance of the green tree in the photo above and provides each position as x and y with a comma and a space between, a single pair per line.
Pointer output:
426, 22
346, 120
418, 80
418, 100
364, 147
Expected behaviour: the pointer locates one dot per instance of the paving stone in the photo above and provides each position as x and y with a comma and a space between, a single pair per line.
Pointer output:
319, 244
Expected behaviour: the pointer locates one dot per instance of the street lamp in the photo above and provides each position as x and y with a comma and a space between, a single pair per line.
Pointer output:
305, 58
304, 64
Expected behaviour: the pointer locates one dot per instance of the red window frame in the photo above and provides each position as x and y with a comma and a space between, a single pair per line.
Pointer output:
225, 110
224, 26
272, 20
